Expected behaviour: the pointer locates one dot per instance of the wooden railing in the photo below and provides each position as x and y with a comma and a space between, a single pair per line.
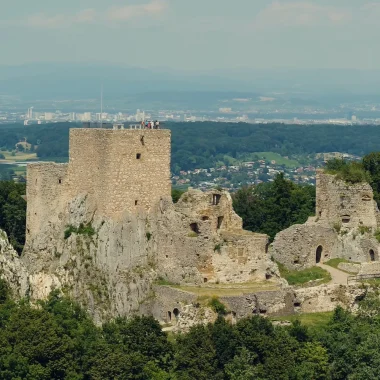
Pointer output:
361, 277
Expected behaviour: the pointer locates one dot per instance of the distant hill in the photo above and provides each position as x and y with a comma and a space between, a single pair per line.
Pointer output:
83, 80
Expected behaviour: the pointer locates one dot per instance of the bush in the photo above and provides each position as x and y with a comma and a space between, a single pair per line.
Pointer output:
217, 306
83, 229
364, 229
176, 195
377, 235
351, 172
337, 226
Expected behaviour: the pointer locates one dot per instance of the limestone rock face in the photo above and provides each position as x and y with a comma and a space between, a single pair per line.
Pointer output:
109, 265
11, 268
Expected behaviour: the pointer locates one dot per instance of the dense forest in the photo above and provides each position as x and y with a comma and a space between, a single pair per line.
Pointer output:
204, 144
57, 340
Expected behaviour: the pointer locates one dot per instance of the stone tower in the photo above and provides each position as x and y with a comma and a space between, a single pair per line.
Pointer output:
117, 170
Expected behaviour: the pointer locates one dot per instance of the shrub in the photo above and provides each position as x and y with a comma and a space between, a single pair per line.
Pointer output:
337, 226
163, 281
148, 236
69, 231
351, 172
217, 306
176, 195
377, 235
217, 247
83, 229
364, 229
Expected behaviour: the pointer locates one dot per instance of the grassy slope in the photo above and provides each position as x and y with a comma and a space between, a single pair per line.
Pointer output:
269, 156
318, 320
301, 277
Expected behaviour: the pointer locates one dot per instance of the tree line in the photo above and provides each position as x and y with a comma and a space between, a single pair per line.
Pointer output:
203, 144
56, 339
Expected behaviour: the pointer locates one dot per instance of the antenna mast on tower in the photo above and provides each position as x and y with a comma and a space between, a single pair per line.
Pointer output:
101, 106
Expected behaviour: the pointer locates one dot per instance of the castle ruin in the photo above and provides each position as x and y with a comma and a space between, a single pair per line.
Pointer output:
346, 221
104, 229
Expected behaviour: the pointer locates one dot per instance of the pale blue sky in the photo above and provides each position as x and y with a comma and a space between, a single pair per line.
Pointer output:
193, 34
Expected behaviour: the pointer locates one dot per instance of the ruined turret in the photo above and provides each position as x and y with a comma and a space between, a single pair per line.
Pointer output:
346, 220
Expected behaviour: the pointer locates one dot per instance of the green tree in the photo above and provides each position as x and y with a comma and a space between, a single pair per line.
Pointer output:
195, 356
272, 207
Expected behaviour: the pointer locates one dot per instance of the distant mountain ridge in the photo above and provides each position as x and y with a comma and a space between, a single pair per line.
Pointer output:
83, 80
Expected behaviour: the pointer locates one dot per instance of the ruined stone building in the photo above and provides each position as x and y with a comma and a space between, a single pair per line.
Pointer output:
103, 228
346, 221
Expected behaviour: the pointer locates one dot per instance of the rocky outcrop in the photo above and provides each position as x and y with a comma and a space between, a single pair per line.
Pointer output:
110, 266
11, 268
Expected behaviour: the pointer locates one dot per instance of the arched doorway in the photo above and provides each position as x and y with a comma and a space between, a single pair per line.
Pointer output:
372, 254
176, 312
318, 254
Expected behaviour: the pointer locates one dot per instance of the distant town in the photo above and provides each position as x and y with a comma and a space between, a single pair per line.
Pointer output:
226, 114
262, 170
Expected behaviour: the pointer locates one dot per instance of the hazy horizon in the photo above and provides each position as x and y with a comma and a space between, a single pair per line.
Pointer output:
193, 36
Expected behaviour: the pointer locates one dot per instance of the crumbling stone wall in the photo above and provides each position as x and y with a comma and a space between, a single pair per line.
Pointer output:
201, 240
349, 205
303, 246
46, 194
344, 226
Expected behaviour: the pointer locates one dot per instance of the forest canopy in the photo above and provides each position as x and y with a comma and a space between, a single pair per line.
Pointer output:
203, 144
58, 340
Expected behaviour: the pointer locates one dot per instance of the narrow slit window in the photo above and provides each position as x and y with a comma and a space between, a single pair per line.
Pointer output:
138, 156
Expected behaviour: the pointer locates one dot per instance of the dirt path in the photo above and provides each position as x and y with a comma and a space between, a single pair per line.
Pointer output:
338, 277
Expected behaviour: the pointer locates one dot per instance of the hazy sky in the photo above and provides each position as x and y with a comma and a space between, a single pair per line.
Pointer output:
193, 34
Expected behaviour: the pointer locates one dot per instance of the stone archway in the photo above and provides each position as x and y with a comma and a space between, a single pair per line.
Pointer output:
318, 254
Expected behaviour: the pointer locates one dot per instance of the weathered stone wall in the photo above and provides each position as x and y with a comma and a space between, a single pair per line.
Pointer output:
302, 246
46, 193
120, 169
200, 241
169, 302
344, 226
275, 302
350, 205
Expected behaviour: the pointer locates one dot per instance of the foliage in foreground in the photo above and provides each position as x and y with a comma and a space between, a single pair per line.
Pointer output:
57, 340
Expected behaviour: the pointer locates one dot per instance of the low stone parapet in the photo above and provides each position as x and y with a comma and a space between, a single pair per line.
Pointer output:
350, 267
